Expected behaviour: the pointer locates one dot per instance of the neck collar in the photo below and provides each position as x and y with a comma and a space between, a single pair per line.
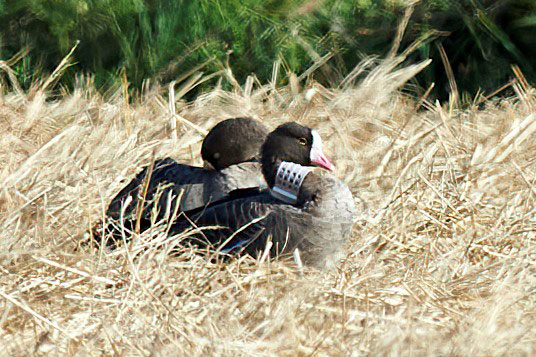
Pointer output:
288, 181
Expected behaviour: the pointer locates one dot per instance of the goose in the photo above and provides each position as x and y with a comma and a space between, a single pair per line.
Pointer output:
303, 208
231, 153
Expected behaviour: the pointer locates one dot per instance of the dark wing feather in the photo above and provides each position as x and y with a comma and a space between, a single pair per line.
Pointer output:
158, 199
195, 185
168, 180
249, 220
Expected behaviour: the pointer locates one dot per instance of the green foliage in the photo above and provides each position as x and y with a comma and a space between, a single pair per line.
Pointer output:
481, 42
156, 37
165, 39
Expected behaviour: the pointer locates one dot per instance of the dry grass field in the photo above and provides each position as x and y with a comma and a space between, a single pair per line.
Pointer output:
442, 259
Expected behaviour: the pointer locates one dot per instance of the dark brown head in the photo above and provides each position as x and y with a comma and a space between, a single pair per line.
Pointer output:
295, 143
233, 141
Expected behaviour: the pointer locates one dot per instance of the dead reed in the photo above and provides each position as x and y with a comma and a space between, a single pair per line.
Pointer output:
442, 259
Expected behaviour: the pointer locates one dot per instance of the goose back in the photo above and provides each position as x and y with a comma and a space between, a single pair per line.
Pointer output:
170, 180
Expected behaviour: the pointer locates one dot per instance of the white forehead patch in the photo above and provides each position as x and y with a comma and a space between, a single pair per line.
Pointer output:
317, 143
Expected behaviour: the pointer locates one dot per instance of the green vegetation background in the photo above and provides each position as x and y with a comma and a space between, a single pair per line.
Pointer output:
172, 39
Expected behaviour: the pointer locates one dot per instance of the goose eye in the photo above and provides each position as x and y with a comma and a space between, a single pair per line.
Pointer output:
302, 141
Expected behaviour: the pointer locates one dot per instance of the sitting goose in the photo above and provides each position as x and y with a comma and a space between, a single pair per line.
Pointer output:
231, 148
304, 209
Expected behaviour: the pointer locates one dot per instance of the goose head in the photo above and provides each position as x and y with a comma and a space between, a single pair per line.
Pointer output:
233, 141
294, 143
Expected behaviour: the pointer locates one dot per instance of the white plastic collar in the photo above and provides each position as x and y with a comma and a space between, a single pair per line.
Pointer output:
288, 181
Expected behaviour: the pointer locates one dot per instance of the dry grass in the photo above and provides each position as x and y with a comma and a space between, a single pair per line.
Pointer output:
442, 259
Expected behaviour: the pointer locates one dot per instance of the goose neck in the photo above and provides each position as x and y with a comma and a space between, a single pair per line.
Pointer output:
288, 181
